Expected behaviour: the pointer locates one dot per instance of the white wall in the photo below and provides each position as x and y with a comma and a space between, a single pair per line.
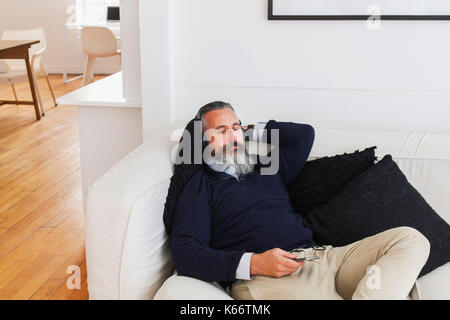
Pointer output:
51, 14
155, 18
327, 73
131, 51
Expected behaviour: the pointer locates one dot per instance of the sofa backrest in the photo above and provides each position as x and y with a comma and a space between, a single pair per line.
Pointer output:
128, 256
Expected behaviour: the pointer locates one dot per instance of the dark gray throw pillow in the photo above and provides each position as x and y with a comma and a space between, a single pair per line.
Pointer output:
379, 199
320, 179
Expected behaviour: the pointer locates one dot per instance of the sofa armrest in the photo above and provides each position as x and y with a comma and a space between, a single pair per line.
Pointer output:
112, 204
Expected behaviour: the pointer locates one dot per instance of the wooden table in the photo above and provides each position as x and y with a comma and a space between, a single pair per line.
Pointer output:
18, 49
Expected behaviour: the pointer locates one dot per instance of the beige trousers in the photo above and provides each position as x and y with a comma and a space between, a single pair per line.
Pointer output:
382, 266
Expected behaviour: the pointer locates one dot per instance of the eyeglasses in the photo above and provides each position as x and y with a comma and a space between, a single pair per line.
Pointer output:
302, 253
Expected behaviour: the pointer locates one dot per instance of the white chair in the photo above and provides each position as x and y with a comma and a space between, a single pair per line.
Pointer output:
97, 42
16, 70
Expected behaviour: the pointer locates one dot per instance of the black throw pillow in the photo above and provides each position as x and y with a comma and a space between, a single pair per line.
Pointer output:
378, 199
320, 179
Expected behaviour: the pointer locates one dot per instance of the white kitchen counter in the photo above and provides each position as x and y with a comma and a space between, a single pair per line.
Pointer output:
107, 92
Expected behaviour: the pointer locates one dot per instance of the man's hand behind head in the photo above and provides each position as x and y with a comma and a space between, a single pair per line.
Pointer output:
274, 263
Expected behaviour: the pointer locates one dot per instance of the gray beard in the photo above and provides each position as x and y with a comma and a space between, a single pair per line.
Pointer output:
243, 169
244, 163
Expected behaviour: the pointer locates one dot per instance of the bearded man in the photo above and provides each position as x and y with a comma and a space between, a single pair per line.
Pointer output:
235, 225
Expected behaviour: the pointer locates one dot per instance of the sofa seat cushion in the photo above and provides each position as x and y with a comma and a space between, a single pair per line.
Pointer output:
434, 285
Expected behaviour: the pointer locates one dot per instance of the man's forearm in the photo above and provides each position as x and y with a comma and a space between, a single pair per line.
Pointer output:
202, 262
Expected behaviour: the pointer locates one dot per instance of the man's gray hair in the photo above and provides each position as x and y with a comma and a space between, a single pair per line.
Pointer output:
215, 105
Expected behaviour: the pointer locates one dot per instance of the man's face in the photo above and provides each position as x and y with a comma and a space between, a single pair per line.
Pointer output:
223, 131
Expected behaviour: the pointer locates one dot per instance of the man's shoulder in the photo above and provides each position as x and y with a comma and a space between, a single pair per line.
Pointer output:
198, 181
196, 189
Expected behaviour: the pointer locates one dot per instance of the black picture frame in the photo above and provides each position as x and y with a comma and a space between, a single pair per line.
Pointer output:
271, 16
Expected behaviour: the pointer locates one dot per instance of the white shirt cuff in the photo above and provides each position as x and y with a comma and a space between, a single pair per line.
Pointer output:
243, 269
258, 130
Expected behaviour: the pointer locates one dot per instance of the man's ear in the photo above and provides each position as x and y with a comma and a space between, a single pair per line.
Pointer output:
240, 124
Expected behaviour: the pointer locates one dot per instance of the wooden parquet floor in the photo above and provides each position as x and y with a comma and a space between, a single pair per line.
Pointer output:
41, 218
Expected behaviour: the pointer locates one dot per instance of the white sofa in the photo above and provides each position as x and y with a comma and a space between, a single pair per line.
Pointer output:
127, 249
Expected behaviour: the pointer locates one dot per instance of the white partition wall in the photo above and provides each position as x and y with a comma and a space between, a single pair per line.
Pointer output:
157, 65
131, 53
337, 74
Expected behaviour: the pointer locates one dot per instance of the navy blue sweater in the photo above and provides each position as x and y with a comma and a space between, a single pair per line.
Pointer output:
217, 218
